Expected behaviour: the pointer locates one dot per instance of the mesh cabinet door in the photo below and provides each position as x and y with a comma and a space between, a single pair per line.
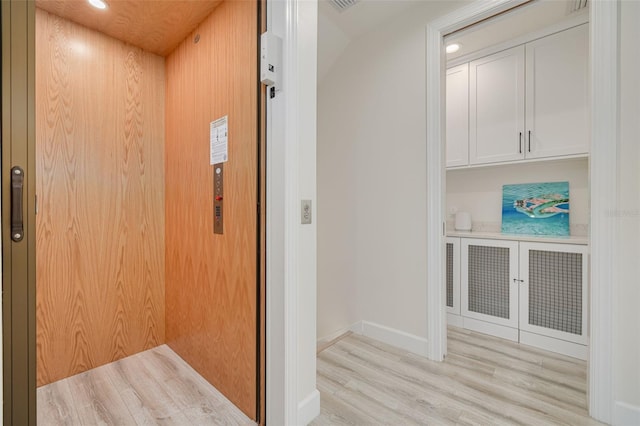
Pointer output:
553, 300
453, 275
489, 281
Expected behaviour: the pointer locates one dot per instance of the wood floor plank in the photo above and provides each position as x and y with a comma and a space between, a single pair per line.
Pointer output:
97, 400
155, 387
55, 405
537, 370
549, 360
532, 383
201, 403
434, 389
482, 381
143, 395
334, 412
398, 393
381, 396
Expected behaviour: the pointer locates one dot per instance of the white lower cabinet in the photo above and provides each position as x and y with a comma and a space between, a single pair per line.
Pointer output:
553, 297
531, 292
453, 281
489, 286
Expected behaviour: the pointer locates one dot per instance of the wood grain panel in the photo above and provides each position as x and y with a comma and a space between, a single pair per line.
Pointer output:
100, 186
156, 26
211, 280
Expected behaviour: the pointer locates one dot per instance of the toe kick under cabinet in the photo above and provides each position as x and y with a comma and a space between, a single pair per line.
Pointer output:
534, 293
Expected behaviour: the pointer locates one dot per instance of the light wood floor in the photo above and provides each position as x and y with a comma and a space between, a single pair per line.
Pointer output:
150, 388
484, 380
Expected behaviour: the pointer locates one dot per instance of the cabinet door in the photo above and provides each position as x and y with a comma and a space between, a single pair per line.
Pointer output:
489, 273
453, 275
458, 116
496, 107
553, 293
557, 108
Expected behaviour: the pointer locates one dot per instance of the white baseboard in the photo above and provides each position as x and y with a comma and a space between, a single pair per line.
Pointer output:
391, 336
326, 339
626, 414
357, 327
309, 408
489, 328
554, 345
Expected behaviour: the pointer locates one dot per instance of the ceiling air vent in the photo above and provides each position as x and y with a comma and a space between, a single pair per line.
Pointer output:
342, 5
577, 5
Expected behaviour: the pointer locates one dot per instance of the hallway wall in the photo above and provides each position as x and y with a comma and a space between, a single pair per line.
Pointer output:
372, 178
100, 189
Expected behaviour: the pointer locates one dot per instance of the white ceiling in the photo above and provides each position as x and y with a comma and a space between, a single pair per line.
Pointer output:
364, 15
336, 30
523, 20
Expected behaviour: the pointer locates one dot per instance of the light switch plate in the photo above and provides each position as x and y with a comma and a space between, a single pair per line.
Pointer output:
305, 212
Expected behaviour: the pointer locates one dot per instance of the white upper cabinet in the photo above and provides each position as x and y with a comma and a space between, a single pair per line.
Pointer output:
557, 115
496, 107
458, 116
530, 101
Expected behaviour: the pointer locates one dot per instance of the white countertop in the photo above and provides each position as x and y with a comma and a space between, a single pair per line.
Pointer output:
580, 240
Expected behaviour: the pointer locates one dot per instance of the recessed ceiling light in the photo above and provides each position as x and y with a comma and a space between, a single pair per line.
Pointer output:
98, 4
452, 48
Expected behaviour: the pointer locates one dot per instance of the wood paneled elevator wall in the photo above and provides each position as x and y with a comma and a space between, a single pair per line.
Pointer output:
100, 188
212, 280
125, 241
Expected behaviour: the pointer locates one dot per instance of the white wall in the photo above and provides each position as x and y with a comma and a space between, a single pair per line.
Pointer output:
479, 190
626, 365
371, 178
337, 295
331, 42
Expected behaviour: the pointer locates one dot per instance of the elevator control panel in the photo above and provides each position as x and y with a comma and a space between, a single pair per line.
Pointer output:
218, 198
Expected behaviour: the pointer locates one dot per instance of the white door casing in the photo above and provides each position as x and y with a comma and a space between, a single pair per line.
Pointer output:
604, 52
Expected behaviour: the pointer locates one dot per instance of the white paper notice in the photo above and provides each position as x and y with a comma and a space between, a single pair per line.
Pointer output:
219, 141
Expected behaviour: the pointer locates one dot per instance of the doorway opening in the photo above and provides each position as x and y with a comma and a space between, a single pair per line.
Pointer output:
517, 141
602, 166
149, 142
517, 176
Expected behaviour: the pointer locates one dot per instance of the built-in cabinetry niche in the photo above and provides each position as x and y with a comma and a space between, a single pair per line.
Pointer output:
526, 102
519, 104
529, 292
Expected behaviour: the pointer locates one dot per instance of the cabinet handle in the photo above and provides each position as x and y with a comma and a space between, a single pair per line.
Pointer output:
529, 140
520, 145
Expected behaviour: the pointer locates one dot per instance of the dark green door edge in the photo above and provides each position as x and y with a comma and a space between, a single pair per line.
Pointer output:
18, 257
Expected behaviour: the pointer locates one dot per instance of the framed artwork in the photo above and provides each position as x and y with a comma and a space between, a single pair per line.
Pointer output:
536, 209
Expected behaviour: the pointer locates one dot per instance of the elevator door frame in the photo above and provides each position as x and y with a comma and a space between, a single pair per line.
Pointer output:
18, 258
18, 265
